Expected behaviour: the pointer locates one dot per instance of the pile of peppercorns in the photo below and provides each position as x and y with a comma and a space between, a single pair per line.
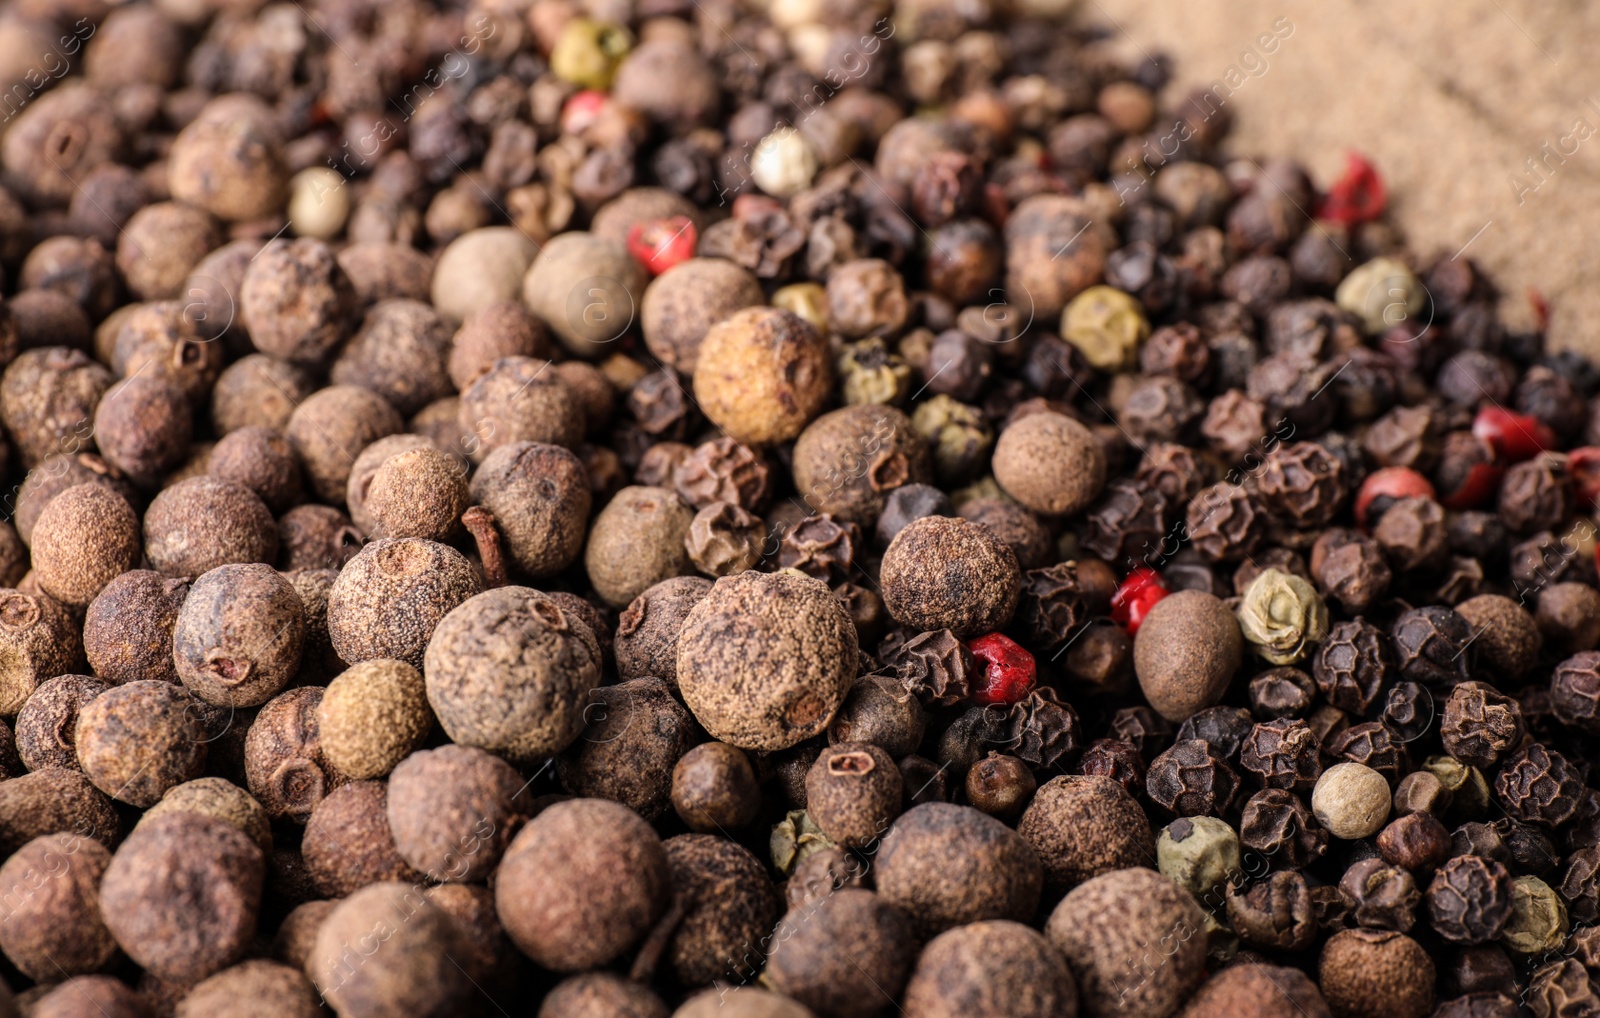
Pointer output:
833, 510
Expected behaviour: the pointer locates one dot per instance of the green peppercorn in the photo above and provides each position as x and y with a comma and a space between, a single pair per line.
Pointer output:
1107, 325
1281, 615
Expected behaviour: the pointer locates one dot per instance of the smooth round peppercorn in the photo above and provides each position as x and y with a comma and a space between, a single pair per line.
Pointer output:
106, 996
684, 302
1050, 463
413, 973
53, 928
1351, 801
636, 542
1001, 786
853, 793
452, 811
348, 845
276, 989
714, 788
811, 969
1186, 652
947, 573
1376, 974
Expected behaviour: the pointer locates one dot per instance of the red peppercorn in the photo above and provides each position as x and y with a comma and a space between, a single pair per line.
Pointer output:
1358, 196
1514, 437
1584, 466
1009, 674
581, 110
1483, 480
1135, 597
659, 244
1389, 484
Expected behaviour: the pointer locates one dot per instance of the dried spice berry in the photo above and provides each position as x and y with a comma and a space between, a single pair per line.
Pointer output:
1373, 745
728, 901
936, 668
1539, 786
1280, 615
879, 710
1411, 535
204, 522
1568, 616
283, 760
1416, 841
719, 470
1001, 878
646, 639
853, 793
85, 537
452, 810
1385, 897
1561, 987
390, 596
762, 375
1432, 645
1469, 900
919, 592
347, 843
1283, 754
1480, 724
636, 542
1281, 693
1351, 800
725, 539
1257, 990
139, 739
637, 731
181, 895
219, 799
1275, 913
1376, 974
1084, 826
1129, 524
714, 788
507, 671
54, 928
1575, 692
1192, 779
1349, 568
1508, 640
239, 635
1186, 653
1050, 463
46, 727
1224, 523
55, 801
411, 975
820, 546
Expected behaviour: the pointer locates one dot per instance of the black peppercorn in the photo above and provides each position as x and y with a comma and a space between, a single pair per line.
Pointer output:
1278, 824
1469, 900
1284, 753
1192, 779
1538, 785
1480, 724
1351, 665
1432, 646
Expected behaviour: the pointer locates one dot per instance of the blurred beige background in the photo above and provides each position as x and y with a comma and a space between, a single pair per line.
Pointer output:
1452, 99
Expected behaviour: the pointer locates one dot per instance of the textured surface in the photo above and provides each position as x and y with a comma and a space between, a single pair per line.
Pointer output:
1451, 100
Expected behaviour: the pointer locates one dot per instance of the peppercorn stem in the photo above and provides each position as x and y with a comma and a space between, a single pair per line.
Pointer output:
480, 524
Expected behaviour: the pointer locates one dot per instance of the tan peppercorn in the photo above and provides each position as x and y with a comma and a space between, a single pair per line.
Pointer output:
1351, 800
586, 289
1186, 653
1257, 991
1000, 875
239, 635
762, 374
636, 542
601, 995
1376, 974
262, 460
205, 522
411, 975
1052, 253
372, 716
219, 799
38, 640
86, 537
48, 402
765, 660
1083, 826
684, 302
257, 390
481, 268
1050, 463
53, 927
453, 810
742, 1002
418, 493
229, 160
942, 572
646, 637
853, 792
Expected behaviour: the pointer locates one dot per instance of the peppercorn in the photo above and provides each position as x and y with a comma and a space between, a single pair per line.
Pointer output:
105, 995
1106, 928
372, 716
714, 788
1115, 759
1385, 896
54, 801
257, 391
1050, 463
960, 436
729, 904
1280, 614
1351, 800
1568, 616
262, 460
1274, 913
1469, 900
1432, 646
53, 928
507, 671
593, 994
637, 731
315, 537
139, 739
1116, 833
1192, 779
1376, 974
1186, 653
1000, 785
284, 765
452, 811
46, 725
390, 979
389, 597
348, 845
1281, 693
238, 637
331, 427
1255, 990
1539, 786
918, 592
878, 710
810, 969
996, 967
1283, 754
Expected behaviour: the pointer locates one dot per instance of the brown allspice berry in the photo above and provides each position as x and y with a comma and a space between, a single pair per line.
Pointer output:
38, 640
181, 895
53, 926
1186, 653
1568, 615
55, 801
1108, 928
348, 845
46, 318
1376, 974
358, 487
139, 739
56, 474
507, 671
636, 733
79, 269
1083, 826
262, 460
260, 391
853, 793
453, 810
316, 537
48, 400
283, 760
1256, 990
765, 660
489, 953
729, 903
540, 499
586, 288
78, 112
762, 374
399, 353
251, 988
1507, 638
298, 301
219, 799
101, 996
646, 639
331, 427
947, 573
602, 995
1016, 526
988, 969
372, 716
999, 875
204, 522
503, 329
390, 596
86, 537
684, 302
127, 629
229, 160
239, 635
581, 884
142, 427
810, 968
1050, 463
880, 710
160, 244
1051, 253
418, 493
593, 391
714, 788
413, 974
46, 727
846, 462
636, 542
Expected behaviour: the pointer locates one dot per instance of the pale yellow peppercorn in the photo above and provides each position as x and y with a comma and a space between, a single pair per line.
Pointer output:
808, 300
1382, 294
319, 203
1107, 326
1538, 917
1351, 801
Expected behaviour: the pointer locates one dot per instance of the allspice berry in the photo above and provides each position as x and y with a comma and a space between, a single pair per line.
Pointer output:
862, 982
1257, 991
684, 302
581, 884
1376, 974
519, 399
853, 792
879, 710
479, 268
729, 904
219, 799
848, 461
86, 537
258, 391
142, 427
55, 801
1082, 826
601, 995
944, 572
298, 301
1050, 463
46, 727
946, 865
53, 926
99, 996
637, 731
1000, 785
249, 988
399, 353
38, 640
990, 969
505, 329
742, 1002
539, 497
1351, 801
1134, 941
418, 493
229, 160
331, 427
139, 739
646, 639
388, 598
239, 635
762, 374
714, 788
766, 659
1186, 653
411, 974
372, 716
453, 810
348, 844
262, 460
181, 895
1507, 640
507, 671
283, 760
205, 522
586, 288
359, 486
636, 542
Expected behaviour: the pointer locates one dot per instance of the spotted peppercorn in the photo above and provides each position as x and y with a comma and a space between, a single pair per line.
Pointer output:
1469, 900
